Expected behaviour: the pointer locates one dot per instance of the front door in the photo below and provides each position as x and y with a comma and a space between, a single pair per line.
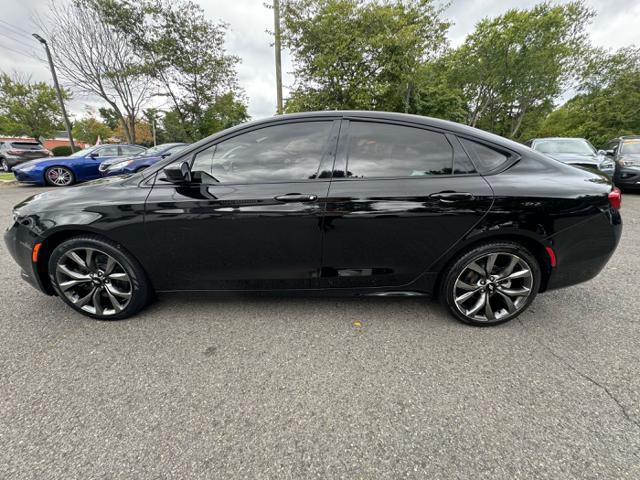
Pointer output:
252, 217
400, 197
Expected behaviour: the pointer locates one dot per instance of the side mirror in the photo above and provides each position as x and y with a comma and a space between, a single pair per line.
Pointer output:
94, 155
178, 173
609, 153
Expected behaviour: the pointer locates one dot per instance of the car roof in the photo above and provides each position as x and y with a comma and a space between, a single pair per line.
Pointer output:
418, 120
558, 138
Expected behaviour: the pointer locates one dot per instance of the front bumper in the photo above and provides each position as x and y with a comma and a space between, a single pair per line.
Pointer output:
33, 177
627, 177
20, 242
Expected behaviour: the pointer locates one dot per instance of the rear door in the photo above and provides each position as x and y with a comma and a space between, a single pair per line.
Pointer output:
252, 217
400, 197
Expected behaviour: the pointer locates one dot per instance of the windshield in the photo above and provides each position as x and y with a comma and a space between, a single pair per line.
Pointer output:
83, 153
578, 147
631, 147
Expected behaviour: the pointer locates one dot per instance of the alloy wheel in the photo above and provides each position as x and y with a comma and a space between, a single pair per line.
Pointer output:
94, 281
59, 176
4, 166
493, 286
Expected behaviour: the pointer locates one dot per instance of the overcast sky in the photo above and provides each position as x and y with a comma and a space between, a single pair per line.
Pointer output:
249, 21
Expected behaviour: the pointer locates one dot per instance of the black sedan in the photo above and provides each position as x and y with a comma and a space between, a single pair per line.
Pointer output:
337, 203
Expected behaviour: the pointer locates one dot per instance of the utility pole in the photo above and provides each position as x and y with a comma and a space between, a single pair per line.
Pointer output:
58, 91
278, 47
153, 126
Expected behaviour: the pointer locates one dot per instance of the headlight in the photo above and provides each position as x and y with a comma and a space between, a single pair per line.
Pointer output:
28, 168
120, 165
607, 165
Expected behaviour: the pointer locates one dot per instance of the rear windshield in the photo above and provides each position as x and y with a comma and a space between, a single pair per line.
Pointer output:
579, 147
631, 147
26, 145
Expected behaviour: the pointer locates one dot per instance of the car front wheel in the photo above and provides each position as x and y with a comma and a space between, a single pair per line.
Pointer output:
4, 166
97, 278
491, 284
59, 176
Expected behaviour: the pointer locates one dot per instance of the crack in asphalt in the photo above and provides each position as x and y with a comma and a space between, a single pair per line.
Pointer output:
566, 363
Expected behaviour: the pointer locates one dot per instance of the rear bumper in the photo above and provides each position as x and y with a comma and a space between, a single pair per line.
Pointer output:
583, 250
20, 241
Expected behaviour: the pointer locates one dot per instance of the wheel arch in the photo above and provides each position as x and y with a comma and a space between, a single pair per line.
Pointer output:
51, 241
535, 246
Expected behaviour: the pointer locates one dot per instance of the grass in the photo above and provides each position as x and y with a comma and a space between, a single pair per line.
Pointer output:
7, 176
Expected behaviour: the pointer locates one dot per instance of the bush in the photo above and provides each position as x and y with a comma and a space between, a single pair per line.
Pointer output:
61, 151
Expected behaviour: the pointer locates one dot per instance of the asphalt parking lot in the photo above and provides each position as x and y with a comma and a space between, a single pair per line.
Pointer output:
357, 388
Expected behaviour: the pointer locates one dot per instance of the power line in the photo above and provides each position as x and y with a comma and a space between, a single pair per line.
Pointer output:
24, 54
15, 30
14, 39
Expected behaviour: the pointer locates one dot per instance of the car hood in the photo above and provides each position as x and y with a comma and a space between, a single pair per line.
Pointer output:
140, 158
571, 158
68, 198
45, 161
114, 160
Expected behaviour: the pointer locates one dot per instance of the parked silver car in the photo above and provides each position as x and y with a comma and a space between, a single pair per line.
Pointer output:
574, 151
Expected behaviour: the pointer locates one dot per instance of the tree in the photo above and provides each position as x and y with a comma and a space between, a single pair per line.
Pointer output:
142, 130
109, 117
608, 104
89, 129
27, 108
184, 53
517, 64
356, 54
97, 59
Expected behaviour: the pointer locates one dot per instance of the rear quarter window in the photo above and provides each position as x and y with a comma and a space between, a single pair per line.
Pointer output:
486, 158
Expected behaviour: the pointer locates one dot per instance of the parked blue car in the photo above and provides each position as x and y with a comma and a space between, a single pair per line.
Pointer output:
77, 167
122, 166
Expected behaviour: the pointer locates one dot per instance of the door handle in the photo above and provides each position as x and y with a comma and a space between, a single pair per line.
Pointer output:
296, 197
451, 196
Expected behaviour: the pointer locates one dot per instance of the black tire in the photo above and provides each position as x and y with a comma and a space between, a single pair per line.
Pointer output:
4, 166
139, 288
69, 177
488, 286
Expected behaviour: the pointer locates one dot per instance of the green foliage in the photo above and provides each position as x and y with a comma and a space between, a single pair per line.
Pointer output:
89, 129
109, 117
26, 108
516, 64
226, 111
606, 108
354, 54
61, 151
185, 56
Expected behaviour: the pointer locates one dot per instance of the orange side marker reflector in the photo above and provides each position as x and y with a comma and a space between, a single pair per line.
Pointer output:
34, 253
552, 256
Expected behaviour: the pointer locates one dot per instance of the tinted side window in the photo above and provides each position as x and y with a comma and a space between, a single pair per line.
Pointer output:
111, 151
384, 150
277, 153
131, 150
486, 158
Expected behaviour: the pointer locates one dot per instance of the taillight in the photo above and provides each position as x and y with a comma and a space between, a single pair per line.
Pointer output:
615, 198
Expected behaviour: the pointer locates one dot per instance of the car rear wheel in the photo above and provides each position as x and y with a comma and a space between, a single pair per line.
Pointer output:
59, 176
491, 284
97, 278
